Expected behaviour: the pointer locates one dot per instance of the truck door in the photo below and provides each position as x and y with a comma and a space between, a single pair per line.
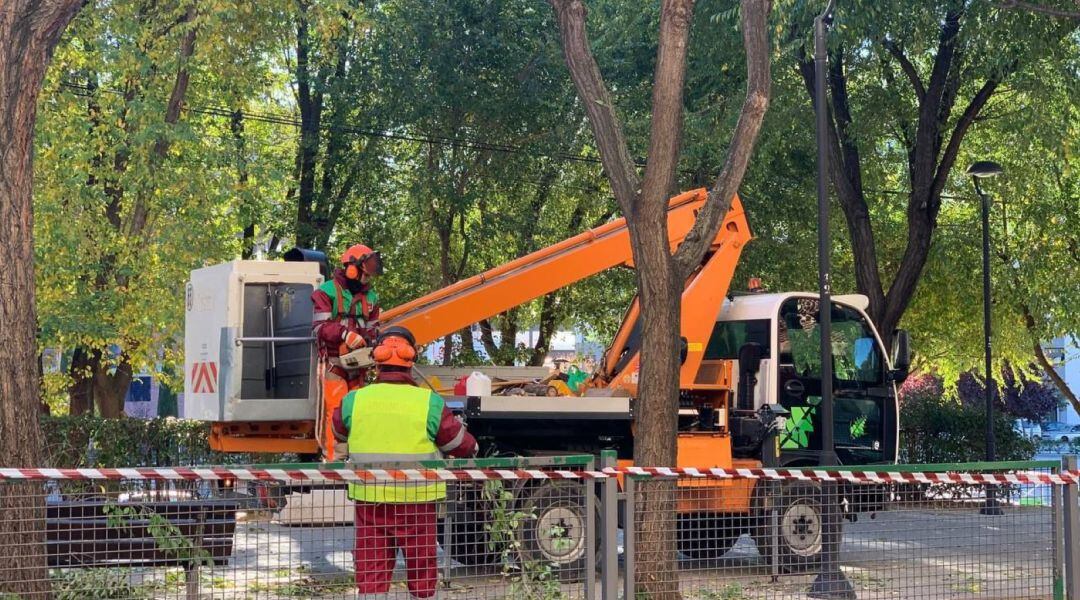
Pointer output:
863, 406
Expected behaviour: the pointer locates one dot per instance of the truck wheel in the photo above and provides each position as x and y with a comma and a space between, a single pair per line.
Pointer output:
799, 527
553, 535
470, 542
708, 536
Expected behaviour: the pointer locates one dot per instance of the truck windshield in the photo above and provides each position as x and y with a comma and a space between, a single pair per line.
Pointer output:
857, 361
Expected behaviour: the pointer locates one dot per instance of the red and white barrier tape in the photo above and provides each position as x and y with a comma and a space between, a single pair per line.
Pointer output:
346, 475
1019, 477
390, 475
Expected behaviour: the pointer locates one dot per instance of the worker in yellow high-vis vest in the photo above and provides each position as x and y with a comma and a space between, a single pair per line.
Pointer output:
390, 421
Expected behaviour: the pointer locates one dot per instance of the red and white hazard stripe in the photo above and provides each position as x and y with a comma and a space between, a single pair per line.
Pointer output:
390, 475
315, 474
1019, 477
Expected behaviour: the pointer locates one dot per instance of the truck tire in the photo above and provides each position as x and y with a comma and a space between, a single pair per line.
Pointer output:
799, 527
708, 536
553, 535
470, 542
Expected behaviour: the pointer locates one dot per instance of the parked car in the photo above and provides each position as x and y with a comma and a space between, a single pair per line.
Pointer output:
1065, 436
1055, 426
1029, 429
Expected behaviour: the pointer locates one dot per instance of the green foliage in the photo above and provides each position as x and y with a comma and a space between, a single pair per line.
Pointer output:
88, 441
127, 202
167, 537
936, 427
534, 580
486, 83
103, 584
305, 587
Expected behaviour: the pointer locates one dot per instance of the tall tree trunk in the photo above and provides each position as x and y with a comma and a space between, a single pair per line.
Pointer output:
98, 381
658, 388
448, 350
110, 385
81, 390
247, 212
309, 101
644, 203
549, 320
932, 149
29, 31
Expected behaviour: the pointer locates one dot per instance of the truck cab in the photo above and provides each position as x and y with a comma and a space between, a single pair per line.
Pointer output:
785, 327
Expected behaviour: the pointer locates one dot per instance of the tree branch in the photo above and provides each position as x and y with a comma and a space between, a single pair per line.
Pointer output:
140, 212
758, 91
1044, 362
614, 153
908, 68
1040, 9
665, 128
487, 339
180, 86
929, 125
952, 148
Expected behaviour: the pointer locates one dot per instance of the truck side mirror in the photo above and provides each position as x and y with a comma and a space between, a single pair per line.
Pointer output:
901, 356
750, 355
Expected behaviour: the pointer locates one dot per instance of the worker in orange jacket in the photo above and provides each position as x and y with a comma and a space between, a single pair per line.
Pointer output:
346, 318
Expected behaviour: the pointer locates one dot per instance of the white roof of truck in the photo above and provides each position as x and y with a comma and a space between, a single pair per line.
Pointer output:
766, 306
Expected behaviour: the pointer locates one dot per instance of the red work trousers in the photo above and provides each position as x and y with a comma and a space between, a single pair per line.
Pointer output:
383, 528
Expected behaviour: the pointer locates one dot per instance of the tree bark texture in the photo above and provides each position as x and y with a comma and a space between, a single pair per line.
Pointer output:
660, 275
29, 31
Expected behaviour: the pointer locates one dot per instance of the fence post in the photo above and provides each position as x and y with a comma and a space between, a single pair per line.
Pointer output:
609, 513
630, 489
1071, 501
1058, 528
451, 506
589, 489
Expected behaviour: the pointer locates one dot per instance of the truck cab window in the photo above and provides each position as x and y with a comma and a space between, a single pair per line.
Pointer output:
728, 336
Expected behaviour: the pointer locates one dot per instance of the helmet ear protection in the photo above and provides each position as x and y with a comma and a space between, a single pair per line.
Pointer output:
352, 271
395, 346
371, 264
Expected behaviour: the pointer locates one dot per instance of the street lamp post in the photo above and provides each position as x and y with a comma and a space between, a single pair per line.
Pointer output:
830, 583
981, 170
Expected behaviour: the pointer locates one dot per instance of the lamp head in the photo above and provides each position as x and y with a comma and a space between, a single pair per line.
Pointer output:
984, 168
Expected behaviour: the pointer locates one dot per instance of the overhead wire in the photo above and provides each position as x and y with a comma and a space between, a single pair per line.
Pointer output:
289, 120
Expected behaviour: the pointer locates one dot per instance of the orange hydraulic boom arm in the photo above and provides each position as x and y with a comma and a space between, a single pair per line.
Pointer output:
482, 296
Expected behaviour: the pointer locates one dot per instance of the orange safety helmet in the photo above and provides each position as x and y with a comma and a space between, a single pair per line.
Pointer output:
360, 259
396, 347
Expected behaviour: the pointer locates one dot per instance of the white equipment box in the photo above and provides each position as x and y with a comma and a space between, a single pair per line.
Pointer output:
248, 351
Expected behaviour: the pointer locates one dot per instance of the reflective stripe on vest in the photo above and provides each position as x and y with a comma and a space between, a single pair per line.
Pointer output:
394, 424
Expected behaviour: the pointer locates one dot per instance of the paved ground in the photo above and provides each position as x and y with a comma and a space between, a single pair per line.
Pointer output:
917, 553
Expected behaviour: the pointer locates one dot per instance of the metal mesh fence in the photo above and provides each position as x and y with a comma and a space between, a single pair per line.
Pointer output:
533, 530
529, 536
748, 538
